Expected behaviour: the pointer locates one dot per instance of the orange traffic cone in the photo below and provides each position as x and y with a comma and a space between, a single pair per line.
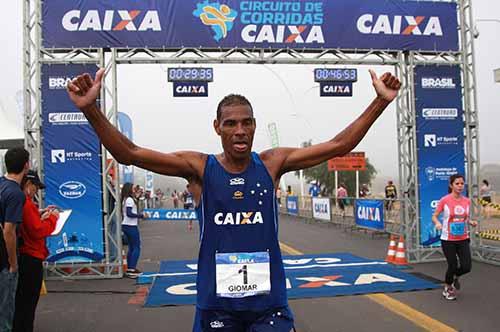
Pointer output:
43, 289
391, 252
124, 261
400, 253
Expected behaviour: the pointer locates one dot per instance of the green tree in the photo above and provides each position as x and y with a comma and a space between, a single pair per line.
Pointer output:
327, 179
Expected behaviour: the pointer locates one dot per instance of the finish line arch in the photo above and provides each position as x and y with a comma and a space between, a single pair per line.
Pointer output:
61, 32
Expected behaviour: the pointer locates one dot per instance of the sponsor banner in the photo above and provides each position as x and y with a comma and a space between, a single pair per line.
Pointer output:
307, 276
292, 205
321, 208
353, 161
164, 214
440, 139
149, 182
126, 128
299, 24
369, 213
190, 89
335, 89
273, 134
72, 168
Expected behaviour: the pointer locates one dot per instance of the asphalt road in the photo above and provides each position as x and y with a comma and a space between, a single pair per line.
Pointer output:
103, 305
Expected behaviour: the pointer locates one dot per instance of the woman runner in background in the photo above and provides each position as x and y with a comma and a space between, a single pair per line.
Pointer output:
130, 226
455, 238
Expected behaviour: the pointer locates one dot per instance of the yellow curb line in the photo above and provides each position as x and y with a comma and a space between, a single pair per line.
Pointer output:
416, 317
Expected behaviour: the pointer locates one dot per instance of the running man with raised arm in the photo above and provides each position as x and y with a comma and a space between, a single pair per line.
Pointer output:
241, 279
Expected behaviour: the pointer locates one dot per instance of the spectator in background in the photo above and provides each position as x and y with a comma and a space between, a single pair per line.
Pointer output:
485, 191
391, 193
289, 191
364, 191
130, 226
341, 198
11, 216
314, 189
33, 251
187, 198
485, 196
175, 199
278, 196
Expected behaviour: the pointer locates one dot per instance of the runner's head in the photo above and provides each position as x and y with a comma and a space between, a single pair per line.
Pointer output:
456, 184
235, 125
127, 191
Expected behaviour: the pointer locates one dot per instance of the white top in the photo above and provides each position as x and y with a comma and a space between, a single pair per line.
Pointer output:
129, 202
485, 191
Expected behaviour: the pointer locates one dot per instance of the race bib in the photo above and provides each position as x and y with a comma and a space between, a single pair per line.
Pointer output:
457, 228
242, 274
189, 200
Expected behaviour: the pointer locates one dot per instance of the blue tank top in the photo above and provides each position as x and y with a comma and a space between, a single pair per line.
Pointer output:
227, 199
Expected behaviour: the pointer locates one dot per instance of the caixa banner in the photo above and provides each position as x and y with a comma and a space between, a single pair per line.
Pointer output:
299, 24
321, 208
292, 205
369, 213
72, 168
440, 139
165, 214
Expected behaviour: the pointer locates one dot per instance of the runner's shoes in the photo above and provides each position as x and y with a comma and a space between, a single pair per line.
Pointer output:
133, 273
449, 293
456, 283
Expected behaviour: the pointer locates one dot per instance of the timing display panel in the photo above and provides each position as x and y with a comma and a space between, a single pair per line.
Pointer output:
335, 75
190, 74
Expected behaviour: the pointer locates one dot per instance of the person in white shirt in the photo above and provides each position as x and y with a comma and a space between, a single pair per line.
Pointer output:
130, 227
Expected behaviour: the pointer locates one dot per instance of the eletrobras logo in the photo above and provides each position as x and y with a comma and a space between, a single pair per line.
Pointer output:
111, 20
440, 113
67, 118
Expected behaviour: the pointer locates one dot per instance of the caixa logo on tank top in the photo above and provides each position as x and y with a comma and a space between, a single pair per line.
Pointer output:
72, 189
238, 218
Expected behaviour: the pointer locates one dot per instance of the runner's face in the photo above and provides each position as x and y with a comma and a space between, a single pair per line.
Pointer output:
457, 186
236, 127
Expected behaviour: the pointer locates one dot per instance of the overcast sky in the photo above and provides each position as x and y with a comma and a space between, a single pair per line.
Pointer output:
282, 94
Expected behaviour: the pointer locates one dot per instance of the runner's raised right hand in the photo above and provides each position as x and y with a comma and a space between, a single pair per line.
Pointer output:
83, 90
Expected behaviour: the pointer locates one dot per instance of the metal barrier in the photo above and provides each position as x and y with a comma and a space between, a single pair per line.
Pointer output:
344, 217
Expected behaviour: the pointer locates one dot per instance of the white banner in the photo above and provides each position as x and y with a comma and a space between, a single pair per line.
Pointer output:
321, 208
149, 183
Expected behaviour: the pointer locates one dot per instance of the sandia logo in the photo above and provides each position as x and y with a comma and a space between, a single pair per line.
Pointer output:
72, 189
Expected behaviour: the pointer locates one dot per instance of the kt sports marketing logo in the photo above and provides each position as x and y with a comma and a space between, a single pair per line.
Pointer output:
61, 156
72, 189
433, 140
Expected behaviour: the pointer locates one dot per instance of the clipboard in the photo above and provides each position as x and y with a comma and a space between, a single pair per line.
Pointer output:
63, 217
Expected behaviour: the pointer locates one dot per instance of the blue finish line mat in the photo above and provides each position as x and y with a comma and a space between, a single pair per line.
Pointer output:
307, 276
